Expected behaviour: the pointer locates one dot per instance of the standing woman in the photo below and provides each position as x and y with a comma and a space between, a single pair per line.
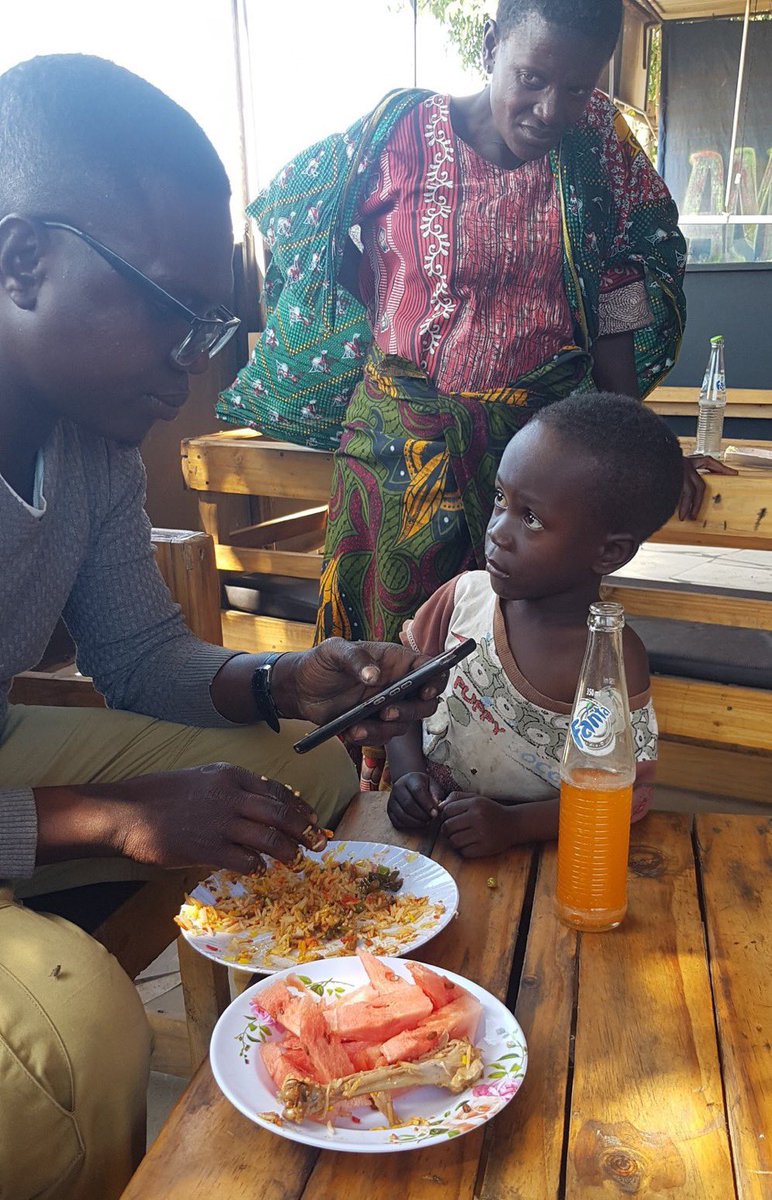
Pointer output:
518, 244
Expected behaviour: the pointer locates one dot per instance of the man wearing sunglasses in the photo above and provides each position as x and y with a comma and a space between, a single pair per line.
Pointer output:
115, 274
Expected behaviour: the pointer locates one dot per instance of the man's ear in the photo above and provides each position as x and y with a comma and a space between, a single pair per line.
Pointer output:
614, 552
490, 45
22, 243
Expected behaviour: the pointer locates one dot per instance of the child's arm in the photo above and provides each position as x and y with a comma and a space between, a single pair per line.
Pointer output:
477, 826
414, 797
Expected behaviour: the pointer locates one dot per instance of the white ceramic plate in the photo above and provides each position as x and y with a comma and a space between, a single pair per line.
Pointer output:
253, 952
238, 1068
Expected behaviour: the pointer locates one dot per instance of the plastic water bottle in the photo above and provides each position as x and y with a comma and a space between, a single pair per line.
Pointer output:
710, 424
596, 789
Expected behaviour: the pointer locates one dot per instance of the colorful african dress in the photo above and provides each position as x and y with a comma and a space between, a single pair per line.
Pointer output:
479, 317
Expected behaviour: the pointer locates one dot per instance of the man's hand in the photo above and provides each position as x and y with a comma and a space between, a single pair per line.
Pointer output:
218, 815
414, 800
477, 826
694, 485
319, 684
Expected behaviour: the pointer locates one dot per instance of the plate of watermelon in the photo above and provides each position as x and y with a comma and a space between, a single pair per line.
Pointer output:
387, 899
368, 1055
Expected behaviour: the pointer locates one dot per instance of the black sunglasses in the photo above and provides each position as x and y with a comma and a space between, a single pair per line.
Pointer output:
206, 335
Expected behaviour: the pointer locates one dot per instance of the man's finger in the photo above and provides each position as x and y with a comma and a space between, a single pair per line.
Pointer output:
375, 733
241, 860
281, 810
260, 785
358, 662
259, 838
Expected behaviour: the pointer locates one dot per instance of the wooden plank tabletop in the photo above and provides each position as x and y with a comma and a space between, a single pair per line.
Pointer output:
627, 1033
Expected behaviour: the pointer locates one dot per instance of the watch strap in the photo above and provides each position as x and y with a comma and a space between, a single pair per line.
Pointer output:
261, 690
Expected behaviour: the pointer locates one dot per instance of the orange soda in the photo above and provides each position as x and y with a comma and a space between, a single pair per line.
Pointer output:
593, 847
596, 789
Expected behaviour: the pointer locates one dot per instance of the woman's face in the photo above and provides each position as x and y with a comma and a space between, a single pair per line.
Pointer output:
542, 78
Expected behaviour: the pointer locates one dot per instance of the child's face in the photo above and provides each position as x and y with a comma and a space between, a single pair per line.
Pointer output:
541, 541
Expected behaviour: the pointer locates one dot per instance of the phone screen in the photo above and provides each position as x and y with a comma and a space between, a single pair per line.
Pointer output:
407, 686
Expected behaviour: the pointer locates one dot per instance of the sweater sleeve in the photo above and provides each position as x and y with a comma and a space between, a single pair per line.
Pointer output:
129, 634
18, 833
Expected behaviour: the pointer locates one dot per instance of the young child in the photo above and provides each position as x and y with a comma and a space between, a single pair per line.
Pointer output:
579, 488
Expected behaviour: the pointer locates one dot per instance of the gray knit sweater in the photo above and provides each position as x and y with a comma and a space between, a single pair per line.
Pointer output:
90, 559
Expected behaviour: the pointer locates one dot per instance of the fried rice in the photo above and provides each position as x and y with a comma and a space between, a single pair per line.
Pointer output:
348, 903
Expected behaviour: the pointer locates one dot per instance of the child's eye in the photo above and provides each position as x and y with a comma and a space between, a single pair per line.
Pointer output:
529, 79
499, 499
531, 521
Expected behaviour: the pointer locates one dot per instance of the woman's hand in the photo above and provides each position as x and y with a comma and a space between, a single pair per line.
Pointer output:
218, 815
414, 800
693, 489
319, 684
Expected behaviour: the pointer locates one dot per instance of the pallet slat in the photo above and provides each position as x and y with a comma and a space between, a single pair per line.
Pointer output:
713, 713
647, 1112
738, 909
525, 1142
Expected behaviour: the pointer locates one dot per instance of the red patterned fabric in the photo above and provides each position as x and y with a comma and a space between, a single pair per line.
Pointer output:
463, 265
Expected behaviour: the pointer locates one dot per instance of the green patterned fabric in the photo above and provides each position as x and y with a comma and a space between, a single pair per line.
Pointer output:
413, 487
616, 211
310, 355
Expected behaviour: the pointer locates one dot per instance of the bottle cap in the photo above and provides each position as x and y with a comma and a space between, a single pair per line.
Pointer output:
715, 341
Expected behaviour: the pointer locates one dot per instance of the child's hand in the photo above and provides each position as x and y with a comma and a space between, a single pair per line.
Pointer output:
414, 801
477, 826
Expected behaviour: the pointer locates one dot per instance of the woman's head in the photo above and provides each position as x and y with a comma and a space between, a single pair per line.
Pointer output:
544, 58
578, 490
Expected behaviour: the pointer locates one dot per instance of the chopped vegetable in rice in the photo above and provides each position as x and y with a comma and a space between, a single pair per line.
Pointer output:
342, 901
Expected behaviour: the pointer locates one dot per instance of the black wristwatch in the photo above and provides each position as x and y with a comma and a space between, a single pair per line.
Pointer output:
261, 690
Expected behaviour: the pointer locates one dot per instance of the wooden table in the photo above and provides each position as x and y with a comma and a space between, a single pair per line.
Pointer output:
650, 1073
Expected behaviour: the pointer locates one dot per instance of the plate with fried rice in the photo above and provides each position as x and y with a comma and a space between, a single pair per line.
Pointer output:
385, 899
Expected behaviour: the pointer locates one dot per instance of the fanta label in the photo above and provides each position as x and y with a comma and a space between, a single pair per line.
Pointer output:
592, 727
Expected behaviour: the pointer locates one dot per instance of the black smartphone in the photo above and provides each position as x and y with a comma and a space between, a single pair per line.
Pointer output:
406, 686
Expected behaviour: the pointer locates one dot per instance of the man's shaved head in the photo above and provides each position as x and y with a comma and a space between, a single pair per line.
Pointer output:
79, 135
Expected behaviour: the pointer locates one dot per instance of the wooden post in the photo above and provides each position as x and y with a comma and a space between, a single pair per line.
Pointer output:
186, 561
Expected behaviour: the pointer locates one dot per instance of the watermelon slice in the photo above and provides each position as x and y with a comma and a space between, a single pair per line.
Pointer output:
382, 978
365, 992
364, 1055
458, 1019
325, 1051
282, 1061
273, 1000
375, 1020
439, 989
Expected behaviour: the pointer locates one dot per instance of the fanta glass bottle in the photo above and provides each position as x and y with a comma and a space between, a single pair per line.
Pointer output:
596, 789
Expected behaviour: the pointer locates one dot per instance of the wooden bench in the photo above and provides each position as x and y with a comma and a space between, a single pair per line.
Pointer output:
714, 737
746, 403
